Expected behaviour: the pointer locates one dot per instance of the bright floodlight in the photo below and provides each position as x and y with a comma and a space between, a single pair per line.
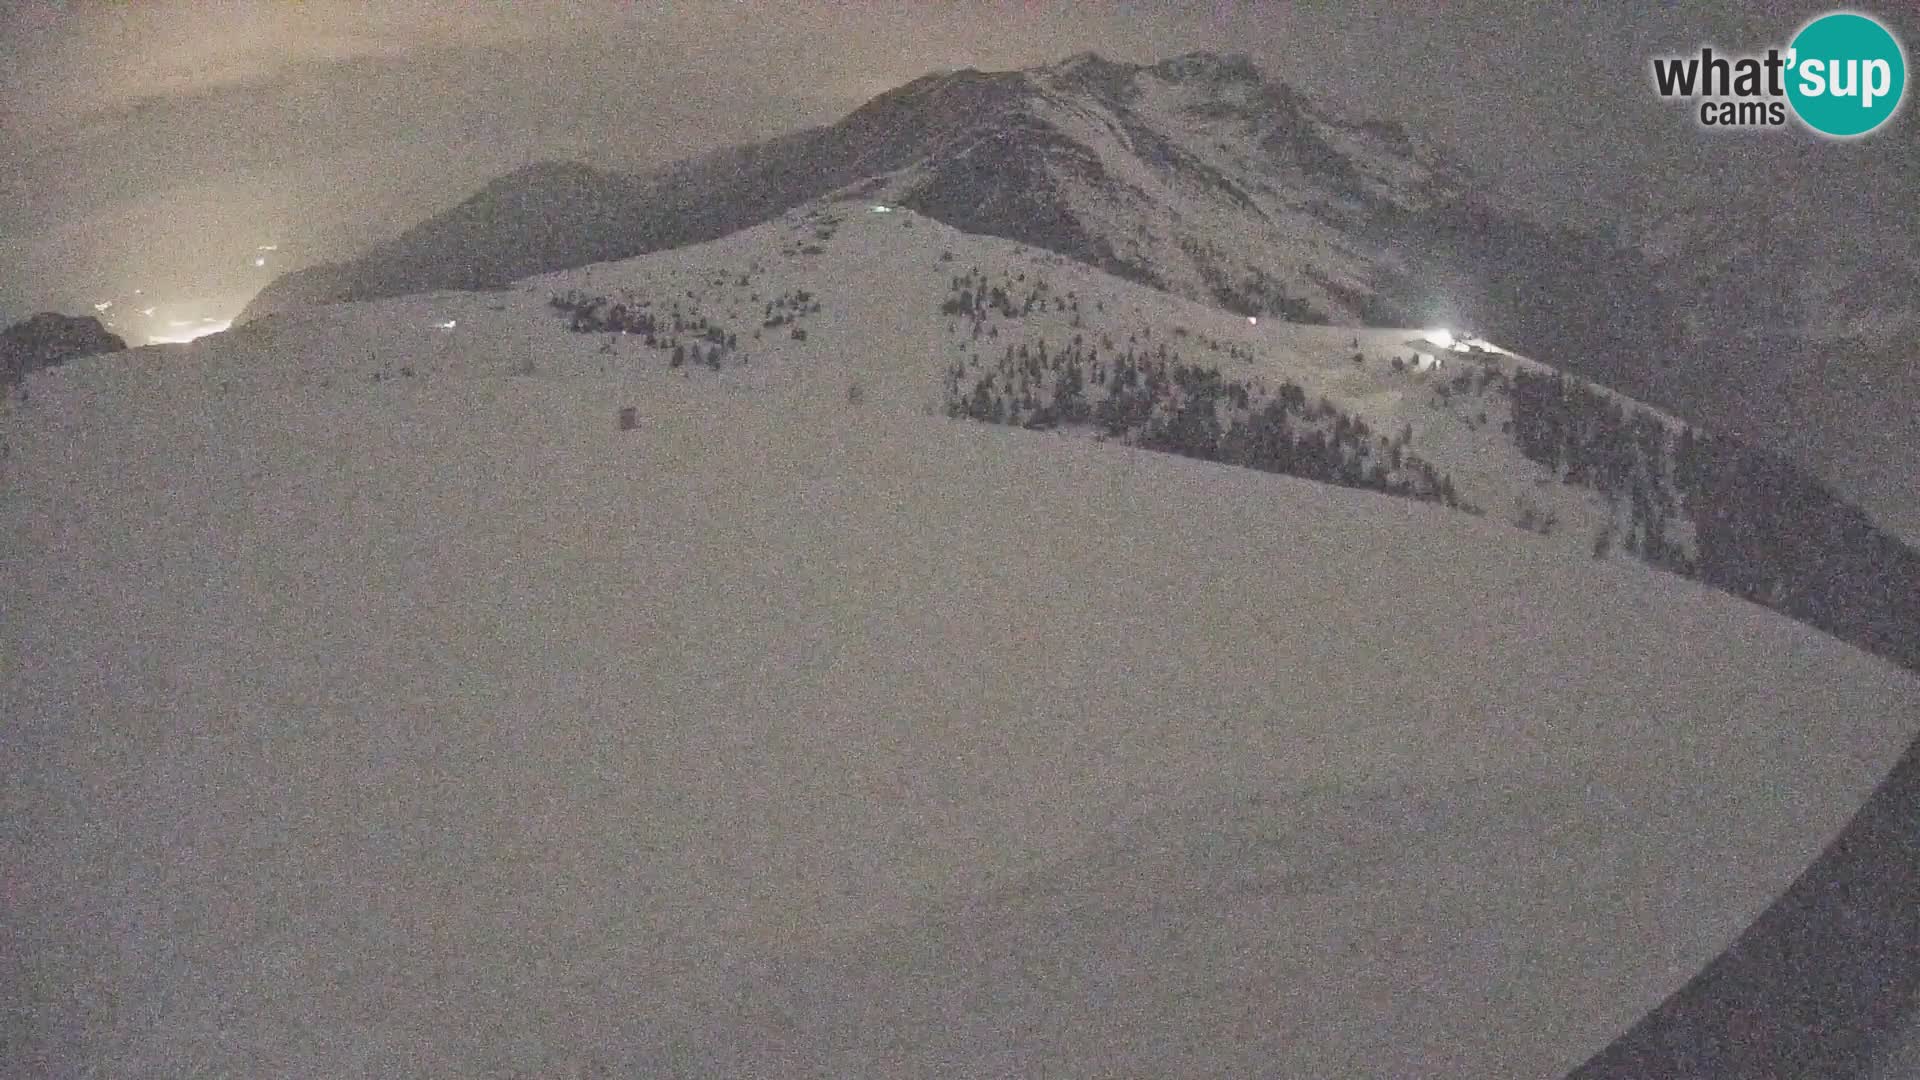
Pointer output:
1253, 320
1442, 337
448, 325
260, 261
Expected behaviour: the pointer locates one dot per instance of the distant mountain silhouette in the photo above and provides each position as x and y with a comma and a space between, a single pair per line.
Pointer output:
51, 338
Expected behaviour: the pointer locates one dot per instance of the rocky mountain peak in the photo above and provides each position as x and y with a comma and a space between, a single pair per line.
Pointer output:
1209, 67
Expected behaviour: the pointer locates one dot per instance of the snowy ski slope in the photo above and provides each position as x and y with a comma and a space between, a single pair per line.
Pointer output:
432, 726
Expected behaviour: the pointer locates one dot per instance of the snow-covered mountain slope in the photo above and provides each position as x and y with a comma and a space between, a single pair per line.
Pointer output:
1197, 175
1200, 176
834, 291
379, 707
875, 294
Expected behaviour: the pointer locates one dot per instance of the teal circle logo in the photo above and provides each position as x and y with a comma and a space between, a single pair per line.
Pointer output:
1847, 75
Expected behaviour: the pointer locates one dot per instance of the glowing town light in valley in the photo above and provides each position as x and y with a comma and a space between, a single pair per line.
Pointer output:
206, 327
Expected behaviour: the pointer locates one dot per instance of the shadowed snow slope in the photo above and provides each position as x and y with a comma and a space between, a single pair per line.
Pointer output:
438, 728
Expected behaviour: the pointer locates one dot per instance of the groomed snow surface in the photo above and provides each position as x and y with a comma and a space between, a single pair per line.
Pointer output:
435, 727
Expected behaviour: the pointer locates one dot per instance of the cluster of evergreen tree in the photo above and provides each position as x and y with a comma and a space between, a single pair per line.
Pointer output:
1764, 529
686, 337
1234, 351
973, 295
823, 226
1589, 439
788, 308
1156, 401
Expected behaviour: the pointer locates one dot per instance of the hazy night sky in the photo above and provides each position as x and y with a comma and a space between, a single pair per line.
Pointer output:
158, 145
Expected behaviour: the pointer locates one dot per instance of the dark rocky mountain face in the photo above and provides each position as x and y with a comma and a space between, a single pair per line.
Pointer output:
49, 339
